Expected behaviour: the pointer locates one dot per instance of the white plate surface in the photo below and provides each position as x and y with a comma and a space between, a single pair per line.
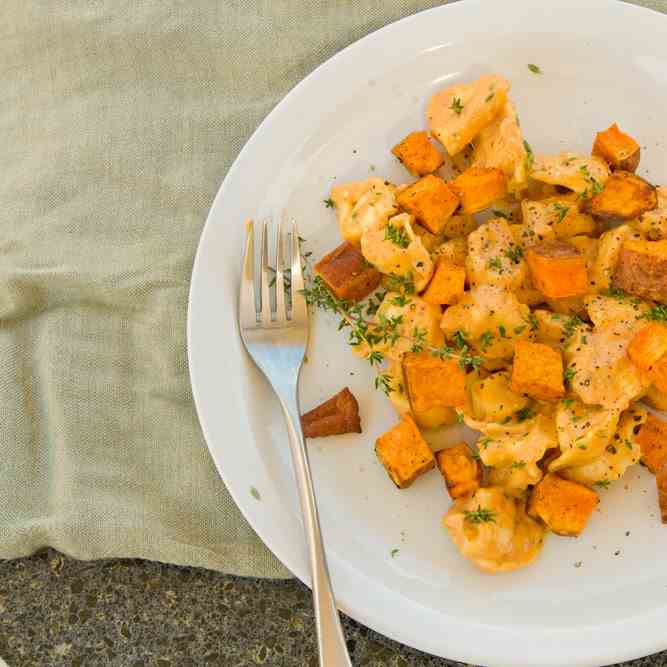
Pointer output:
602, 62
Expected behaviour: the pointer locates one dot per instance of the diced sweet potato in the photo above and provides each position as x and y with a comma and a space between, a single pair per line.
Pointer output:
564, 506
641, 269
617, 149
434, 387
462, 473
347, 274
661, 483
648, 346
652, 440
404, 453
558, 269
431, 201
625, 196
447, 283
655, 398
337, 415
417, 154
479, 187
537, 371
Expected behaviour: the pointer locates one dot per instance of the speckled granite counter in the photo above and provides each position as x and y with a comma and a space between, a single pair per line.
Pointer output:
56, 611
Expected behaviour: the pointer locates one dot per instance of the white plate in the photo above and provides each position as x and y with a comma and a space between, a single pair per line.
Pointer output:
602, 62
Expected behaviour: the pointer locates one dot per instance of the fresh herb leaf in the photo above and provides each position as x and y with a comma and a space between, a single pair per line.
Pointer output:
489, 97
419, 339
516, 465
514, 254
657, 313
383, 382
375, 358
524, 413
569, 374
603, 483
480, 515
329, 203
397, 235
495, 263
456, 106
502, 330
497, 213
255, 493
459, 339
485, 340
561, 211
530, 156
534, 68
393, 552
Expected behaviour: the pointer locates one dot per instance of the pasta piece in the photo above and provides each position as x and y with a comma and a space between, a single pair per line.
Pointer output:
583, 174
417, 154
456, 115
396, 321
583, 432
617, 310
494, 258
557, 330
600, 372
404, 453
398, 395
459, 469
609, 247
500, 145
392, 247
622, 452
653, 224
493, 400
515, 479
564, 506
361, 204
617, 149
494, 531
490, 319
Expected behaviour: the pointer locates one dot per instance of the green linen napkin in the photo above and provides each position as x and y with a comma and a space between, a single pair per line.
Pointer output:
118, 122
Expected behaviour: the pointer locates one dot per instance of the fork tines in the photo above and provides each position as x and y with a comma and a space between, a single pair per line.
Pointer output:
279, 298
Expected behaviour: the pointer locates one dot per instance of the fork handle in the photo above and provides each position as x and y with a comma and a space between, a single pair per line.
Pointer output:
330, 639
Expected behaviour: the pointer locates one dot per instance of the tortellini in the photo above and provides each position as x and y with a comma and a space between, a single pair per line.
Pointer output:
494, 258
361, 204
392, 247
609, 246
581, 173
492, 529
491, 319
493, 400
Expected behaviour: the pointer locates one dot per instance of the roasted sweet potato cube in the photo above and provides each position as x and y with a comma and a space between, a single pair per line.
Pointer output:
660, 377
431, 201
648, 346
641, 269
558, 269
479, 187
617, 149
337, 415
564, 506
625, 196
652, 440
417, 154
447, 283
434, 381
462, 473
347, 274
404, 453
661, 483
537, 371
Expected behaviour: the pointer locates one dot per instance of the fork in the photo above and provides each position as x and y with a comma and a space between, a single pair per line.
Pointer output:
276, 340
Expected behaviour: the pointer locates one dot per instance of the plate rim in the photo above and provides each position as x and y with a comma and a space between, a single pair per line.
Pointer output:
606, 654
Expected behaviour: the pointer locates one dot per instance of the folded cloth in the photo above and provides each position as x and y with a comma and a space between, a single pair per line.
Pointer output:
118, 122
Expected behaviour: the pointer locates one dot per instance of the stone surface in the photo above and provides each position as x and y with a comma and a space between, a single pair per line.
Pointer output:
57, 611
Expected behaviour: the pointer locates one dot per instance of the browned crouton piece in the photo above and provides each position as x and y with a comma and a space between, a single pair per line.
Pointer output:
558, 269
462, 473
661, 483
648, 346
431, 201
625, 196
337, 415
447, 283
417, 154
641, 269
479, 187
652, 440
537, 371
564, 506
434, 387
617, 149
347, 274
404, 453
